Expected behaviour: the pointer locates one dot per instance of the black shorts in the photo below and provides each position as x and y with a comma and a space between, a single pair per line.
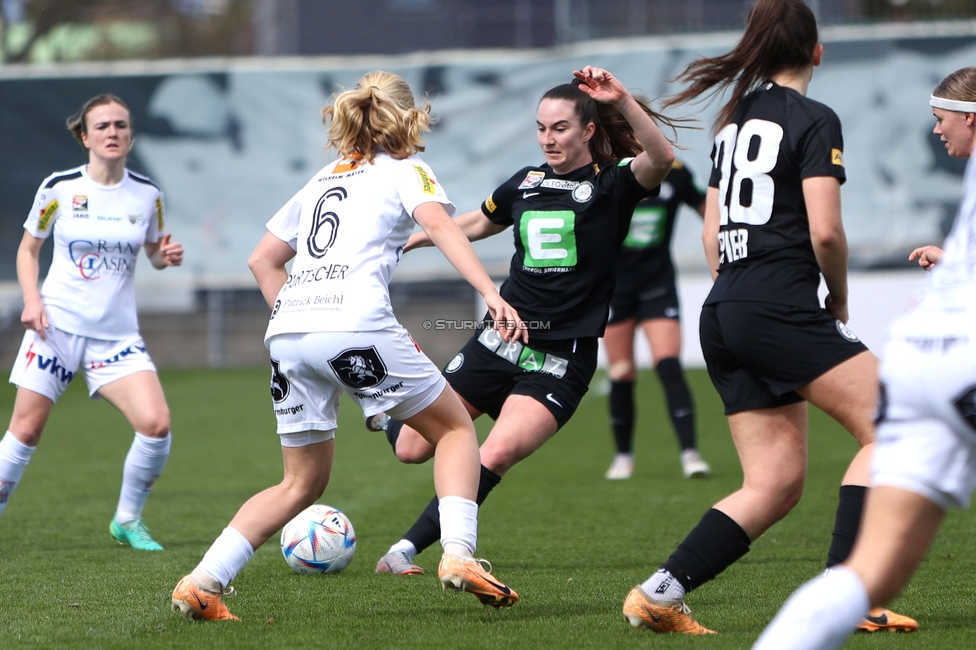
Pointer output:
758, 354
660, 301
554, 373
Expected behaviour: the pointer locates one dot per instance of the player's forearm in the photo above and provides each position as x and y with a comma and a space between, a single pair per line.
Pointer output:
453, 242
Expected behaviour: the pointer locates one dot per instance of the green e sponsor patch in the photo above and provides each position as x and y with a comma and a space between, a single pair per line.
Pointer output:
548, 238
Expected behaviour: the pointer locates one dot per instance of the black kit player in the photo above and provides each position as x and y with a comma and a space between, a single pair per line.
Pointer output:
646, 296
604, 153
772, 227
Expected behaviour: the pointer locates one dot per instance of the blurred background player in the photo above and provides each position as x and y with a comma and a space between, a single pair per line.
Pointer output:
646, 295
772, 227
100, 214
332, 329
925, 461
604, 153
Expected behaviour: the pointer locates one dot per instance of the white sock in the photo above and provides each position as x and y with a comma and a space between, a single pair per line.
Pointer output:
406, 547
459, 526
226, 557
663, 586
143, 465
14, 456
820, 615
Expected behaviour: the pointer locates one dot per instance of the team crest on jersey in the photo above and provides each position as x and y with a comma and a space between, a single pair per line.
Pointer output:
79, 203
359, 367
279, 385
583, 192
846, 332
532, 180
455, 363
665, 191
135, 219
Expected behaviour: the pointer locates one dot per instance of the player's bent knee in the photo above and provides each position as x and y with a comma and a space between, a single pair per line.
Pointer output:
622, 371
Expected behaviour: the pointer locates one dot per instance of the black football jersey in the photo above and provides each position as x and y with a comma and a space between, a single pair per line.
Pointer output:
568, 230
645, 258
759, 161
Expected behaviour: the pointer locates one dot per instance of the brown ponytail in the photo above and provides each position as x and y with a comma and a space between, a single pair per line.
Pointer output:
780, 35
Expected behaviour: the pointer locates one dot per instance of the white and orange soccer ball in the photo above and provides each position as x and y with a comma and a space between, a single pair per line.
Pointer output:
320, 539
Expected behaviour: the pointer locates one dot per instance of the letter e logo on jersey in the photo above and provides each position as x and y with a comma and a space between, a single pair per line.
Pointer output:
279, 385
325, 224
359, 367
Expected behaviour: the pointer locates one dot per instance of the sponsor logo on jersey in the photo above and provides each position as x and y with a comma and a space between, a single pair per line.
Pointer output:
846, 332
136, 219
532, 180
345, 165
359, 367
279, 385
325, 223
528, 195
426, 182
132, 349
523, 356
455, 363
490, 204
837, 157
159, 213
47, 213
79, 203
583, 192
95, 258
50, 364
557, 184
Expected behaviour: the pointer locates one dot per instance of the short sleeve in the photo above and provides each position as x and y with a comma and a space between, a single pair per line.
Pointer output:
43, 214
628, 188
416, 184
157, 223
715, 176
284, 224
498, 206
820, 151
690, 193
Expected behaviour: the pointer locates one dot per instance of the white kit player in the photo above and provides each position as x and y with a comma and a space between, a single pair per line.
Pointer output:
925, 460
84, 317
332, 330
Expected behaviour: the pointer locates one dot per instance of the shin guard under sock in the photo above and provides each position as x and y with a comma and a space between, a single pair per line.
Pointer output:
426, 531
711, 547
849, 509
622, 415
681, 406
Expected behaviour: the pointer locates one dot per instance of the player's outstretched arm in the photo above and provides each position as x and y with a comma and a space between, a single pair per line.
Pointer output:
927, 256
453, 242
267, 263
28, 269
654, 163
475, 226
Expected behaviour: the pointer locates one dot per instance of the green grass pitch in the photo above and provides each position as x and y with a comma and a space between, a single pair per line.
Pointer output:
571, 542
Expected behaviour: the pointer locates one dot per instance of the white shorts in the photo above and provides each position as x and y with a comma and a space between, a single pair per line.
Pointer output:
382, 370
927, 433
47, 366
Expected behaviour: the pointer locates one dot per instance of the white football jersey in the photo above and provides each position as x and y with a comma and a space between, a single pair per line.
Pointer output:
958, 264
348, 226
98, 231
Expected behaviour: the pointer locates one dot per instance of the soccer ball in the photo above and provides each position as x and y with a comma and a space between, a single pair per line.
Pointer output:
320, 539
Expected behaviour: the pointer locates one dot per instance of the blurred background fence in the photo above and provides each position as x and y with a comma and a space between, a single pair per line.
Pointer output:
229, 136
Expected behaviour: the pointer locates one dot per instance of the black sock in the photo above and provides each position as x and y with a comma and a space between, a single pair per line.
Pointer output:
622, 415
426, 531
710, 548
849, 509
393, 432
681, 406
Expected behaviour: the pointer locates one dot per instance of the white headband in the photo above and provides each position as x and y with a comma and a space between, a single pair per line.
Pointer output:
952, 105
